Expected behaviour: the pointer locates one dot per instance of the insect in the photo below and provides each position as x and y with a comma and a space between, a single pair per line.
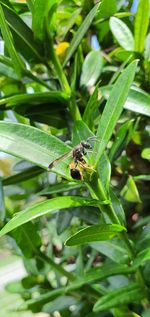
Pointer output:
77, 153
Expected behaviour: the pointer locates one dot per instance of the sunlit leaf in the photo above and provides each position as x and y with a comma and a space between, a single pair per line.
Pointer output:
122, 33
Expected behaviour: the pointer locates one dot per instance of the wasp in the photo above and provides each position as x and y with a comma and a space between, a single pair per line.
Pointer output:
78, 163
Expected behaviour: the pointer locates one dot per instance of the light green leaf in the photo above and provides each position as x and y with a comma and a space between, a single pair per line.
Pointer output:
142, 257
113, 109
59, 304
33, 145
121, 296
46, 207
141, 24
130, 191
91, 69
7, 36
95, 233
40, 12
146, 153
80, 33
122, 33
147, 48
137, 101
2, 205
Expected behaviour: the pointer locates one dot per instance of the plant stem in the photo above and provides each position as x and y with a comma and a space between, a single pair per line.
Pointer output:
109, 211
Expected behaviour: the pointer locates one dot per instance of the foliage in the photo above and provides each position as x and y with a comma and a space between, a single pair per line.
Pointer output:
70, 71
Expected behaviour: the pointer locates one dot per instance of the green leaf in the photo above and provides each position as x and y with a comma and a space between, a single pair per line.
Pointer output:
33, 145
94, 233
40, 12
130, 191
142, 257
113, 109
80, 33
146, 153
112, 249
124, 295
141, 24
104, 171
107, 9
80, 132
19, 65
137, 101
147, 48
60, 304
35, 98
2, 205
91, 69
142, 177
122, 33
91, 107
121, 140
7, 71
59, 188
23, 36
46, 207
23, 176
117, 207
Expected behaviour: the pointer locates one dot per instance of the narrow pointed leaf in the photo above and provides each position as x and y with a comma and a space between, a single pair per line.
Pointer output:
124, 295
80, 33
113, 109
45, 207
94, 233
7, 36
141, 24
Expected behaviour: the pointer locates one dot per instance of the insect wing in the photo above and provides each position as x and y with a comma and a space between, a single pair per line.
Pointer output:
59, 159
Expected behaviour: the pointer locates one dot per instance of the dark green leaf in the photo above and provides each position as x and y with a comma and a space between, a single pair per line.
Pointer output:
125, 295
40, 12
80, 33
16, 59
23, 176
113, 250
35, 98
142, 257
91, 107
46, 207
23, 36
94, 233
113, 109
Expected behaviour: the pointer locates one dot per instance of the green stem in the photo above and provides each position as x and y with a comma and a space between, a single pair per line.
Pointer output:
109, 211
97, 191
